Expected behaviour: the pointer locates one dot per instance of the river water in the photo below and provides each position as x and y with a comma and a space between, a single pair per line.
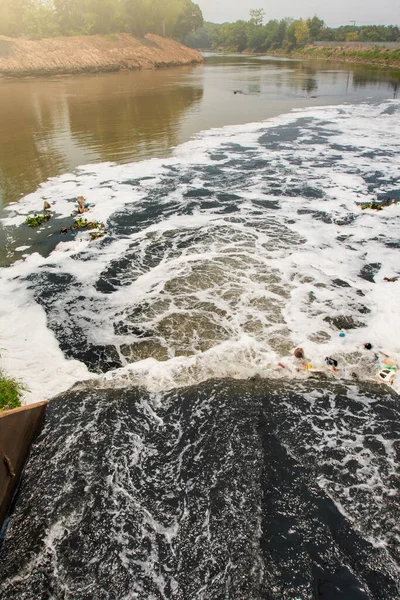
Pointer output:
230, 196
50, 126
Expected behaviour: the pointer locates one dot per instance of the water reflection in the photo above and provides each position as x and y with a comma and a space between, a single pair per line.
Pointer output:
28, 153
387, 79
48, 127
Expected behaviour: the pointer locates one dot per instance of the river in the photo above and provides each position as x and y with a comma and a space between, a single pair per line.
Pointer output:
196, 457
50, 126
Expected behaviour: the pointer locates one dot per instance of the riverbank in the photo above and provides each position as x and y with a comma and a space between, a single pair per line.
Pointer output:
91, 54
375, 56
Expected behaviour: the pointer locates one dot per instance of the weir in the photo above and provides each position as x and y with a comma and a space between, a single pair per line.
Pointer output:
227, 489
18, 429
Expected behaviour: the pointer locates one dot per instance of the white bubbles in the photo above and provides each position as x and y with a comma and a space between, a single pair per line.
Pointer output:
219, 261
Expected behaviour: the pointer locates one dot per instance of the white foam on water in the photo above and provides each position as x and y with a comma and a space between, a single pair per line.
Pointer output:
233, 293
29, 350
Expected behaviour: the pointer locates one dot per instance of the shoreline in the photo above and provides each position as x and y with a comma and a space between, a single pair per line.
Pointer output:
384, 58
333, 54
21, 58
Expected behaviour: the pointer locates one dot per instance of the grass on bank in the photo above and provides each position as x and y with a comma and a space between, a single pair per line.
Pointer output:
376, 53
10, 392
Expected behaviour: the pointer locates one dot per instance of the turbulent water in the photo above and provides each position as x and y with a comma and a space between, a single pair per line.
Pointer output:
226, 490
277, 479
218, 261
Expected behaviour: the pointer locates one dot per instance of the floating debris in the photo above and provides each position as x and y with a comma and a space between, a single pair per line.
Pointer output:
95, 235
82, 205
96, 228
380, 202
36, 220
373, 205
331, 361
387, 375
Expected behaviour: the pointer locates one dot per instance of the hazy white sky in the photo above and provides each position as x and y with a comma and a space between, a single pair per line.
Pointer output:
334, 13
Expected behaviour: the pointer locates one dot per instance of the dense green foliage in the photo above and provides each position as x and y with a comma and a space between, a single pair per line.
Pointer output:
287, 33
10, 392
47, 18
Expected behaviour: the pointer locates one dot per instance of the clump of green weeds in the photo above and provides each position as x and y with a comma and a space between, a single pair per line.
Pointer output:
36, 220
80, 223
10, 392
95, 235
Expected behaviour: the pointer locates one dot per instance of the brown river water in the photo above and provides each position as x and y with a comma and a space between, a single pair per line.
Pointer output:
50, 126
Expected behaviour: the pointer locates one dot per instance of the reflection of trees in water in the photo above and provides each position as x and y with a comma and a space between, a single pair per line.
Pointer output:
309, 84
254, 88
378, 77
49, 127
28, 154
305, 80
128, 123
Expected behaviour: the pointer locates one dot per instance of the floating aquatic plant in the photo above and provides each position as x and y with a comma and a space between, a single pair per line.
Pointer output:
37, 220
80, 223
95, 225
372, 205
95, 235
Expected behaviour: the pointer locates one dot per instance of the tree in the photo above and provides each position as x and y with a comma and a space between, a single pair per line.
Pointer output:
315, 26
39, 20
278, 33
6, 18
75, 16
257, 39
257, 16
135, 16
12, 16
201, 38
301, 32
352, 36
232, 36
190, 19
105, 15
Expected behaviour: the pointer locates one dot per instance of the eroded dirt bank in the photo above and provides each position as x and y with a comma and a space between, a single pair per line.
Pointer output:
96, 53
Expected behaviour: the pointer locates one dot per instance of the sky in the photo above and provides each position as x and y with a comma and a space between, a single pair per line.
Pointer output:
336, 13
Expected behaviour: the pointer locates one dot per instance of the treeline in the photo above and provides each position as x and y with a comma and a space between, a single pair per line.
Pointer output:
48, 18
287, 33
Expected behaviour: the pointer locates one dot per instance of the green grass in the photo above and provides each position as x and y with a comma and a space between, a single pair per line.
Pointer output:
375, 54
10, 392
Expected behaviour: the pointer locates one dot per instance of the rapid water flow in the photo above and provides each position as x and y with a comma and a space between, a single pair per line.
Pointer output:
269, 476
217, 262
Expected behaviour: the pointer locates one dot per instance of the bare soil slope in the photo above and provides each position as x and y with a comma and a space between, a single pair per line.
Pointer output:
79, 54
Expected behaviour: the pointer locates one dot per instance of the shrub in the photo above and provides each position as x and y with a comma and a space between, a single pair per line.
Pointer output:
10, 392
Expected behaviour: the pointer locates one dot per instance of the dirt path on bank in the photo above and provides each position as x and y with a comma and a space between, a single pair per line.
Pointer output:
95, 53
